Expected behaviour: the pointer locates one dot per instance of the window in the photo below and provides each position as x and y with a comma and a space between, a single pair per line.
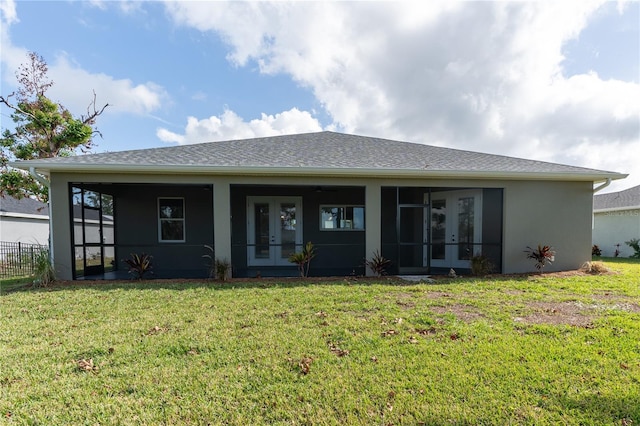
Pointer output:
339, 218
171, 220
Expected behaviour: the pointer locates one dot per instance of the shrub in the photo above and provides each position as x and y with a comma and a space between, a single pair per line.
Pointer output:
634, 243
481, 265
595, 250
542, 255
303, 259
139, 265
378, 264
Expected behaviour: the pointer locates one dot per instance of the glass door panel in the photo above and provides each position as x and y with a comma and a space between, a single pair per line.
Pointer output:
455, 227
262, 236
466, 226
274, 230
438, 229
287, 230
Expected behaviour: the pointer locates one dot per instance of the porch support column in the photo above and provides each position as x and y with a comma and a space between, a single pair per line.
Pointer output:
373, 221
60, 241
222, 220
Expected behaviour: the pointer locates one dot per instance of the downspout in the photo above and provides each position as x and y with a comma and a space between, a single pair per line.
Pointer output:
603, 186
45, 183
596, 189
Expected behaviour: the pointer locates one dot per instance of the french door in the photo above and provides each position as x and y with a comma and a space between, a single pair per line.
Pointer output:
274, 229
456, 228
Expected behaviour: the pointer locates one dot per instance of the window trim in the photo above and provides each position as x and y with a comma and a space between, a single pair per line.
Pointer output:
345, 207
183, 219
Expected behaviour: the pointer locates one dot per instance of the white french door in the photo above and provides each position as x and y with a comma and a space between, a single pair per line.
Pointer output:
456, 227
274, 229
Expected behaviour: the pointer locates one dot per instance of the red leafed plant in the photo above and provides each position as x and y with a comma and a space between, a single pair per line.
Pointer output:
542, 255
139, 265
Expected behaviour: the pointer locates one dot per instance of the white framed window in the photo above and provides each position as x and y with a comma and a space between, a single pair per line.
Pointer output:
341, 218
171, 220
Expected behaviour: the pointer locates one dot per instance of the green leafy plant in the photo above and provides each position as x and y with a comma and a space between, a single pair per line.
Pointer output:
378, 264
634, 243
303, 259
481, 265
543, 255
595, 250
139, 265
44, 272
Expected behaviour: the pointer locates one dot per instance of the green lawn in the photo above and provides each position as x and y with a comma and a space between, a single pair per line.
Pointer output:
517, 350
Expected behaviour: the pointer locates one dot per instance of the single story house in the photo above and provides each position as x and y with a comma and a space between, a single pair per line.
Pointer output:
256, 201
616, 219
24, 221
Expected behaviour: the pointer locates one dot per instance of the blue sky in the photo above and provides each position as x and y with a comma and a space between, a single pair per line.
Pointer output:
553, 81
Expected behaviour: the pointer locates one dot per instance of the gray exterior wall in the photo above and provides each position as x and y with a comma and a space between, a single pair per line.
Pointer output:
552, 213
136, 218
533, 212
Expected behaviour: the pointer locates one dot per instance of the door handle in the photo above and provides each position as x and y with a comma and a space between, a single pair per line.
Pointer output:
453, 238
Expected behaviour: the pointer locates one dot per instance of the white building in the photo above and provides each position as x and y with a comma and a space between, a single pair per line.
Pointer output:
616, 219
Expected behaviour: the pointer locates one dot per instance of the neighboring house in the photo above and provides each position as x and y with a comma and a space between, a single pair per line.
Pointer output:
24, 221
256, 201
27, 221
616, 219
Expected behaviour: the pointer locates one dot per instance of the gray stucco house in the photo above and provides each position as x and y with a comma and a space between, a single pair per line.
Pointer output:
425, 208
616, 219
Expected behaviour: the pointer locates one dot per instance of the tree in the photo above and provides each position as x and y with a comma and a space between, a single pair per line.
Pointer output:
43, 129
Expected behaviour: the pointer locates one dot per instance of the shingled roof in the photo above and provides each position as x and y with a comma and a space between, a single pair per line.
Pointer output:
629, 198
327, 153
10, 205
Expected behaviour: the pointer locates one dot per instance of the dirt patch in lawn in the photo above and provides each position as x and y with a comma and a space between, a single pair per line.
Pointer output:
573, 313
462, 312
558, 313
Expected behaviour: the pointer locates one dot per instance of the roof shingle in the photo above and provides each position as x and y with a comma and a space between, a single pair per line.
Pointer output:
322, 150
615, 200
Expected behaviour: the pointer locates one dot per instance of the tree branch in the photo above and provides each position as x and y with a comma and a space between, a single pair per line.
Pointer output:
16, 108
91, 116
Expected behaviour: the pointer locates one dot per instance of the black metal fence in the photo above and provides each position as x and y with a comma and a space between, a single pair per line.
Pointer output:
19, 259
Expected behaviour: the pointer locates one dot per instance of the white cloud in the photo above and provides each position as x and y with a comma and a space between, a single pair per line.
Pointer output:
231, 126
483, 76
10, 55
73, 86
8, 10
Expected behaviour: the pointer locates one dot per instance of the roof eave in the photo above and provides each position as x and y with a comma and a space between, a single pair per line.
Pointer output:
47, 168
616, 209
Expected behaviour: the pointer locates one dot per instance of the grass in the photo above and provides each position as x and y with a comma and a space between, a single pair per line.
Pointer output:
15, 283
539, 349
